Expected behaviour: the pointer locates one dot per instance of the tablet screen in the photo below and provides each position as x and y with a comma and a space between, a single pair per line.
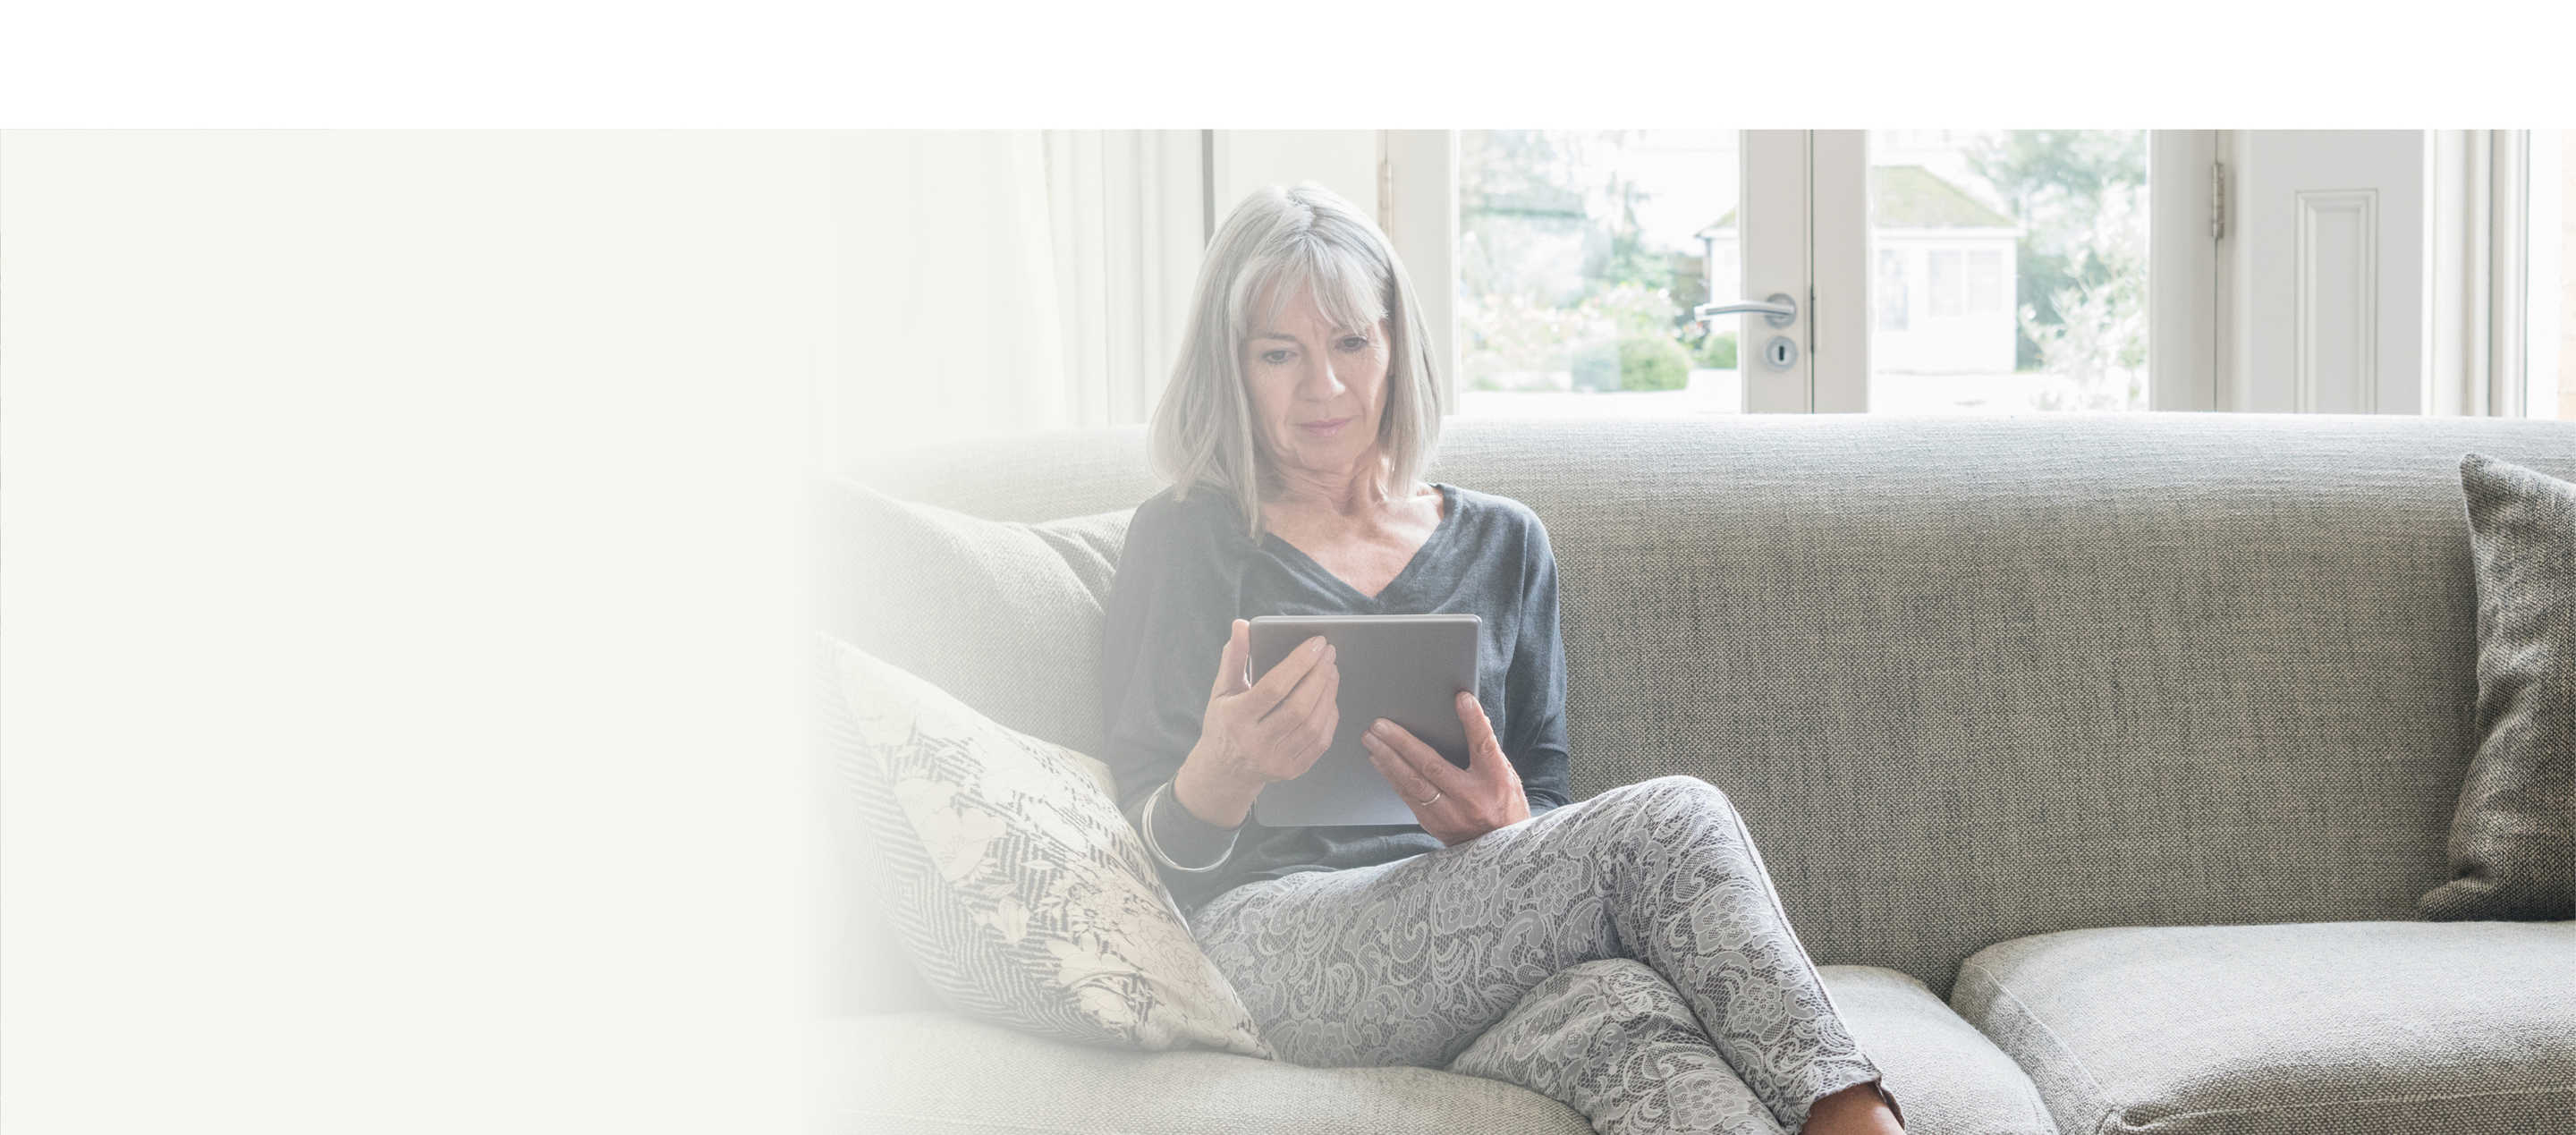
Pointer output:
1405, 668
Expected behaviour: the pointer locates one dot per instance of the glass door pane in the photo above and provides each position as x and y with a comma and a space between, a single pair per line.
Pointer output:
1580, 253
2008, 270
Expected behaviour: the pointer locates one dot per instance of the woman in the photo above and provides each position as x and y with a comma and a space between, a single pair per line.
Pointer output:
1627, 954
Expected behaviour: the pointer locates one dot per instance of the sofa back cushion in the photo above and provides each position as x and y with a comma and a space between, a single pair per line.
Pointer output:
1004, 616
1970, 679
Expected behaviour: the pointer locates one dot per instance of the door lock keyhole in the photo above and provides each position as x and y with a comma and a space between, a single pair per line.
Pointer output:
1781, 352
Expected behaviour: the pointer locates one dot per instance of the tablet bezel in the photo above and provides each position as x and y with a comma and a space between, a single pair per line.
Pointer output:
1388, 669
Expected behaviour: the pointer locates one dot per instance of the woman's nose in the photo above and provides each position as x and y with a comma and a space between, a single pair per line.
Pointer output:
1322, 378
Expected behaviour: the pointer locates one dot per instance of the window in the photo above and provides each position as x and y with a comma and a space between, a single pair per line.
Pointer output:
1580, 254
1985, 281
1892, 297
2058, 216
1943, 281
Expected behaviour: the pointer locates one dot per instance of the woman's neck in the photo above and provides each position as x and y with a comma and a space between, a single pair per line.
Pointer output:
1352, 494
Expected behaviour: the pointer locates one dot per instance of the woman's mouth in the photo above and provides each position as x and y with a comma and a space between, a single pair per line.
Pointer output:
1324, 429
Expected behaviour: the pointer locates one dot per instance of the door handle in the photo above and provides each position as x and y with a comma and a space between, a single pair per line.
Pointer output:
1781, 311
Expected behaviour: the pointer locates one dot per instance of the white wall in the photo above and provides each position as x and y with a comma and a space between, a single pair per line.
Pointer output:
1346, 161
398, 535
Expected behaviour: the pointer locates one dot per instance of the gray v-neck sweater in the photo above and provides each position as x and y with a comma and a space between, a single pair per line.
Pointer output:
1187, 572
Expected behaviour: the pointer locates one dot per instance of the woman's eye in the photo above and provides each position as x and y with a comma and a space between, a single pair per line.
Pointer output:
1355, 343
1276, 357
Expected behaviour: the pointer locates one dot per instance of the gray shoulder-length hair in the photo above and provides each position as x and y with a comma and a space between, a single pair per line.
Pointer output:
1277, 242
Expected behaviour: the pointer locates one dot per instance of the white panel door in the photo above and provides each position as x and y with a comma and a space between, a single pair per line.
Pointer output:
1777, 247
2324, 311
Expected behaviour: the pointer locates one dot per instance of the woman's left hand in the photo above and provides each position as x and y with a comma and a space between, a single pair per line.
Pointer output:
1462, 803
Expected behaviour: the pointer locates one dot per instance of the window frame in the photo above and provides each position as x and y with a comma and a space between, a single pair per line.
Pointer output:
1830, 218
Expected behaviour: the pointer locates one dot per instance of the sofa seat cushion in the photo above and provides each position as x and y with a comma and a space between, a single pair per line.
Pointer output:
932, 1071
2315, 1028
937, 1071
1950, 1079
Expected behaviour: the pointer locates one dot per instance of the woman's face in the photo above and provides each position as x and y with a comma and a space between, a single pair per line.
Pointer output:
1317, 390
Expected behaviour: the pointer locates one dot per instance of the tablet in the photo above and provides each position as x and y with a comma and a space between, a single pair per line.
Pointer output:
1407, 669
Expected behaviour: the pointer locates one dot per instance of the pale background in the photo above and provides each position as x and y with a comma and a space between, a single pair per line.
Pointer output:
390, 528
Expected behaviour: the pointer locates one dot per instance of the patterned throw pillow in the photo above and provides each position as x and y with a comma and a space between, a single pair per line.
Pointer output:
1005, 865
2513, 837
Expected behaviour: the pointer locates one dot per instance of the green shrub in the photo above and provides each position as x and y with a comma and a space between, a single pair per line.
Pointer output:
1717, 352
1652, 362
1595, 363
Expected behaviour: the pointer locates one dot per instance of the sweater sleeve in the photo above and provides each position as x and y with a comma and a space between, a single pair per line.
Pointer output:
1171, 606
1536, 686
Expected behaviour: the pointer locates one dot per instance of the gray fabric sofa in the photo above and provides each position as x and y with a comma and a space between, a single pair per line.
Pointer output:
2099, 759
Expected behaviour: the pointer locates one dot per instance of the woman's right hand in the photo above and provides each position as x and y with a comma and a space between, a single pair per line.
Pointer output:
1257, 733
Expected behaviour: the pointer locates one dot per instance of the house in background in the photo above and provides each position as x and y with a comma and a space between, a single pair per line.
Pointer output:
1942, 281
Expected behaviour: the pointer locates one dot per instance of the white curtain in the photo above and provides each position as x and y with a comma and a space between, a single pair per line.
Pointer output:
1007, 281
2477, 222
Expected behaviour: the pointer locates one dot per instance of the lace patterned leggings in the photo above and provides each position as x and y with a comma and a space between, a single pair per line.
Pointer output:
1625, 954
